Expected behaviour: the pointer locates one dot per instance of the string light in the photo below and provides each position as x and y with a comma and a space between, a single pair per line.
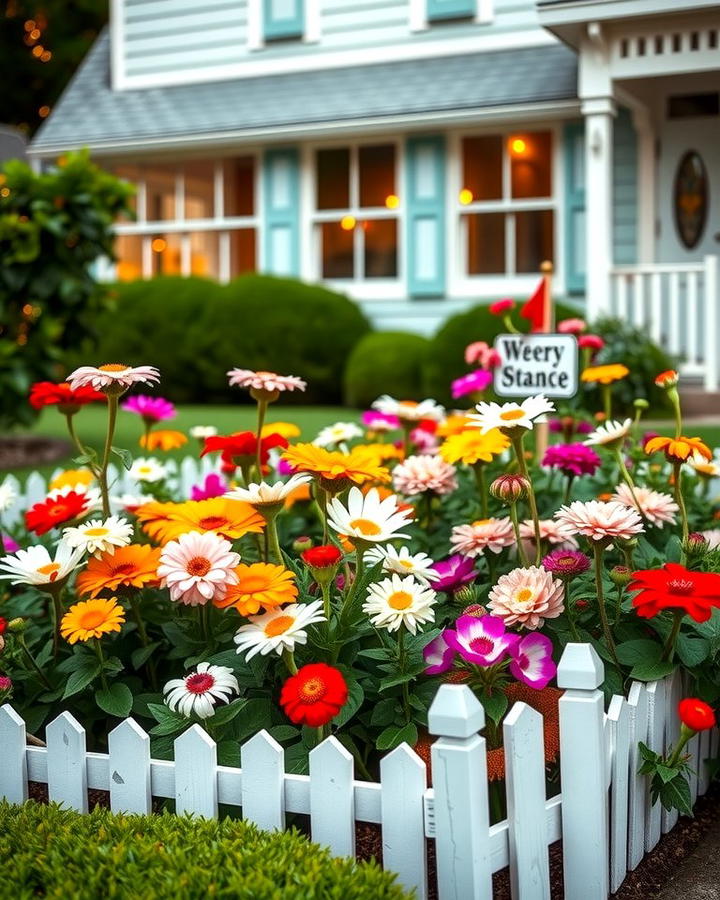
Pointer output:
466, 196
518, 146
347, 223
159, 245
392, 201
44, 112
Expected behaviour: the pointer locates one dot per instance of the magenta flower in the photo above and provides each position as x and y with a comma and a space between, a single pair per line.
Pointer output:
482, 641
571, 326
9, 544
572, 459
152, 409
476, 381
438, 655
500, 307
454, 572
584, 427
566, 563
284, 468
532, 661
5, 684
213, 486
378, 421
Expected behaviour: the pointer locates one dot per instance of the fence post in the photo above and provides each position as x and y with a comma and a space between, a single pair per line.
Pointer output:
710, 324
583, 774
459, 767
13, 771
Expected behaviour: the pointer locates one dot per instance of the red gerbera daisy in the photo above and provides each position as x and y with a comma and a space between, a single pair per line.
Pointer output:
696, 714
68, 401
55, 510
323, 557
240, 448
677, 588
314, 696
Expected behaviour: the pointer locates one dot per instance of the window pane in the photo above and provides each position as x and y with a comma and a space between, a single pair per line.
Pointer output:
486, 244
199, 190
131, 174
380, 248
128, 249
242, 251
160, 193
337, 251
482, 167
377, 174
533, 239
166, 254
204, 253
531, 164
240, 186
333, 179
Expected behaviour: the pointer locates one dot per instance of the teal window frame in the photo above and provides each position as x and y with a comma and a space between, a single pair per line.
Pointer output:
283, 29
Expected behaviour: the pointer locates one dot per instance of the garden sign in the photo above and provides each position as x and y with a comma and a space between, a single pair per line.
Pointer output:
536, 364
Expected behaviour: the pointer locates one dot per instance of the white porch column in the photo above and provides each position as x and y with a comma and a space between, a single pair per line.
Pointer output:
598, 114
646, 184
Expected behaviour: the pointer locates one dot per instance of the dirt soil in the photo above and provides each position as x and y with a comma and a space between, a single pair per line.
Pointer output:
18, 451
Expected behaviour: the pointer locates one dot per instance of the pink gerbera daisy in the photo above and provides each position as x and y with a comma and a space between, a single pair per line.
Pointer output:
658, 508
599, 521
421, 474
112, 378
265, 381
490, 534
151, 409
198, 567
527, 597
551, 531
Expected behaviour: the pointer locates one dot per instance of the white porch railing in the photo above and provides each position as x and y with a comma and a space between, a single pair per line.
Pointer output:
677, 304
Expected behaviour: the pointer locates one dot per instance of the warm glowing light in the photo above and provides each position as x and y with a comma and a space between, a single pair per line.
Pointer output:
159, 244
35, 33
27, 309
29, 25
44, 112
518, 146
392, 201
46, 56
347, 223
5, 192
466, 196
38, 51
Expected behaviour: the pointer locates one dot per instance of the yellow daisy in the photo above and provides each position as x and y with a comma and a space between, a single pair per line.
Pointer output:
288, 430
71, 478
471, 446
92, 619
164, 439
605, 374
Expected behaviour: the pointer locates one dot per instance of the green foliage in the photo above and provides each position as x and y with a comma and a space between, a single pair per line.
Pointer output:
49, 851
53, 226
386, 362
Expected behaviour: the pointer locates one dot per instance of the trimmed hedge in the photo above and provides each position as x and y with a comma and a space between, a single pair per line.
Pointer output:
46, 851
194, 329
385, 362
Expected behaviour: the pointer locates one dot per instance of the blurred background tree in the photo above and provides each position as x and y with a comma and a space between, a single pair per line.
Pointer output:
41, 45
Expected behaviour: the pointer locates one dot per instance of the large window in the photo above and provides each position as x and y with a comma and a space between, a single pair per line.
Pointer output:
356, 211
506, 203
197, 217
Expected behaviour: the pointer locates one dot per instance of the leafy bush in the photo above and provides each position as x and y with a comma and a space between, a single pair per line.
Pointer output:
445, 360
53, 226
386, 362
49, 851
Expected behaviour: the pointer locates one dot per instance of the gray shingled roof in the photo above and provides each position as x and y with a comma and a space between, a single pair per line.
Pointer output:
89, 113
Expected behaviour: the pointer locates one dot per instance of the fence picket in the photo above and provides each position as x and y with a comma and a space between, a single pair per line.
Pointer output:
129, 752
332, 797
525, 790
189, 475
638, 787
619, 725
656, 742
196, 773
403, 777
263, 782
13, 515
13, 771
693, 749
67, 767
35, 489
673, 695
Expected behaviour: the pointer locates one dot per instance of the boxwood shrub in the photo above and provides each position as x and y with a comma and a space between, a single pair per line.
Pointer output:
47, 851
385, 362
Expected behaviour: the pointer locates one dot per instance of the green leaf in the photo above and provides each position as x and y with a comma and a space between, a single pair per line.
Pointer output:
651, 671
228, 754
646, 752
376, 653
692, 650
394, 680
394, 736
356, 695
115, 700
124, 455
384, 712
495, 705
676, 795
140, 656
169, 721
284, 732
640, 652
227, 713
80, 679
666, 774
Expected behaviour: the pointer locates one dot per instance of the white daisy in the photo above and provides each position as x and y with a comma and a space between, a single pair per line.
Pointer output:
113, 376
147, 469
98, 536
260, 494
367, 517
8, 495
609, 433
339, 433
403, 562
397, 601
510, 415
200, 432
198, 691
129, 502
278, 629
701, 466
36, 566
409, 410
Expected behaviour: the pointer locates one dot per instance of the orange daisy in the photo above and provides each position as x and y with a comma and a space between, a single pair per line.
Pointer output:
336, 470
605, 374
678, 449
454, 424
259, 584
131, 566
164, 439
231, 519
153, 518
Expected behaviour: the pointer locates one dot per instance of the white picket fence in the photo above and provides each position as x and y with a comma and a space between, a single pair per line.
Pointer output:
603, 815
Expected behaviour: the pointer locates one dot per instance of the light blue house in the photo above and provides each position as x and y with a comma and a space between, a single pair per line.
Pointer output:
420, 155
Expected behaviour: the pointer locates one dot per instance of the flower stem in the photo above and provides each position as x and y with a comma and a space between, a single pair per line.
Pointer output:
598, 551
479, 469
669, 648
112, 402
516, 528
271, 532
101, 659
401, 671
686, 734
262, 409
568, 486
288, 657
57, 618
627, 478
517, 442
31, 659
680, 500
606, 392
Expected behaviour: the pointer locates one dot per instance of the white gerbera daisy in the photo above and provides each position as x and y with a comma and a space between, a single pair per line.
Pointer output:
129, 502
200, 432
198, 691
339, 433
397, 601
8, 495
409, 410
278, 629
147, 469
367, 517
98, 536
510, 415
610, 432
198, 567
403, 562
113, 376
36, 566
262, 494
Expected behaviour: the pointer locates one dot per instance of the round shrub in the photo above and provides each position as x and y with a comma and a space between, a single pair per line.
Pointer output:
386, 362
52, 852
445, 360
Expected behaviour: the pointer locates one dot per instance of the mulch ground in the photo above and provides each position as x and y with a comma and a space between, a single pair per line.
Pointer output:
18, 451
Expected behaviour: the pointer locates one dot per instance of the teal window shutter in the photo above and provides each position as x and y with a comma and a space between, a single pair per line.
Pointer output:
425, 218
450, 9
281, 212
283, 19
575, 223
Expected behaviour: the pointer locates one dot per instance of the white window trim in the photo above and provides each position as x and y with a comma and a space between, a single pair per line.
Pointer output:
255, 26
462, 285
370, 289
419, 20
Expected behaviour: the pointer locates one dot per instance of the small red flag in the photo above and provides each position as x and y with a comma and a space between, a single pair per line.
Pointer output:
535, 310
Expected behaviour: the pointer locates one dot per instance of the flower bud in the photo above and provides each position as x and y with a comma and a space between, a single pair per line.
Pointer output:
465, 595
3, 625
667, 379
323, 562
476, 610
696, 714
695, 545
17, 626
620, 576
510, 488
5, 686
641, 403
302, 543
